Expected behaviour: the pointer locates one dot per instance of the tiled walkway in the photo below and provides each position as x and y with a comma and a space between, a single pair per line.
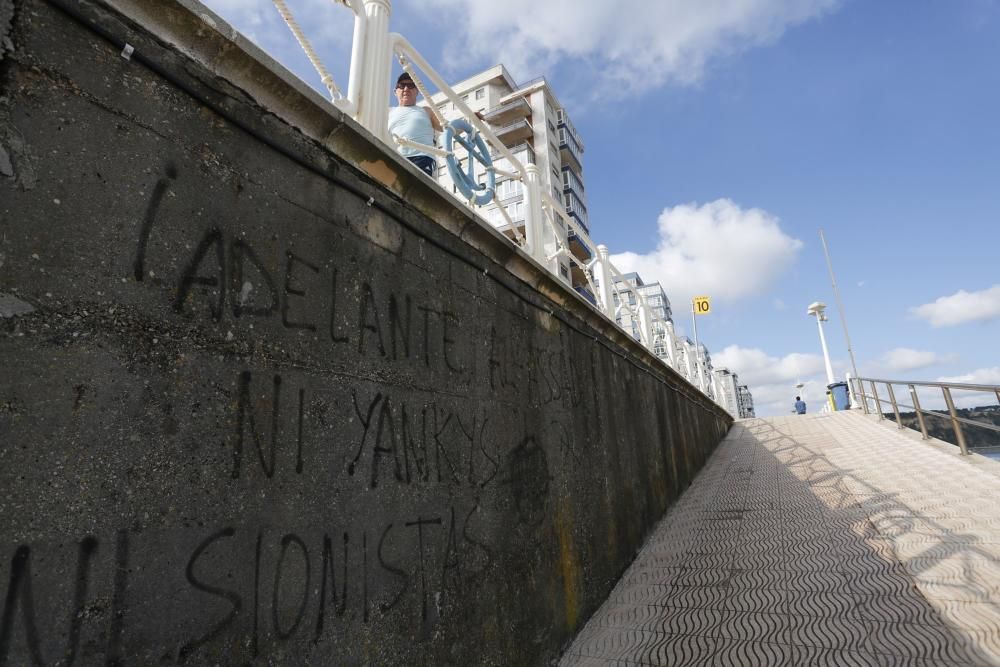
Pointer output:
815, 540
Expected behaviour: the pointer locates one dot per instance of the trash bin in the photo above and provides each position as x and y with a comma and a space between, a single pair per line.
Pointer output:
841, 396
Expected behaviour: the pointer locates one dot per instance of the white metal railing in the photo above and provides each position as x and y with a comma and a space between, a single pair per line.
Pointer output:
547, 225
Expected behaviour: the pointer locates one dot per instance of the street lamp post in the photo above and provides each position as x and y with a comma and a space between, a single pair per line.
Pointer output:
818, 309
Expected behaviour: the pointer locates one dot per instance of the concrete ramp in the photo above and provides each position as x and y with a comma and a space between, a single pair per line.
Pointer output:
815, 540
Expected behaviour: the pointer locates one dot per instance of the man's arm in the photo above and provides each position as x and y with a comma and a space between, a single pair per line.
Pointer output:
434, 120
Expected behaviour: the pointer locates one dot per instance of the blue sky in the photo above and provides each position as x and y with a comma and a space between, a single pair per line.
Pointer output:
721, 135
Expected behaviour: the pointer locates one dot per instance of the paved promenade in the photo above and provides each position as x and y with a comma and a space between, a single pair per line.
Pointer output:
815, 540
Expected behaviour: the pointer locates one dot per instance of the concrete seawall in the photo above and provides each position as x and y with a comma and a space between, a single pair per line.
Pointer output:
265, 393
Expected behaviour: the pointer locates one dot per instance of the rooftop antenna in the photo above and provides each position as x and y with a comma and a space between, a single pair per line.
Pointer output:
840, 304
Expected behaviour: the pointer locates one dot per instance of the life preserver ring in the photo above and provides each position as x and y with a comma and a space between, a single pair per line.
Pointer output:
461, 131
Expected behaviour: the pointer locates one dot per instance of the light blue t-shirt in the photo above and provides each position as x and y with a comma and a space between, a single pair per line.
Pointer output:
800, 407
412, 123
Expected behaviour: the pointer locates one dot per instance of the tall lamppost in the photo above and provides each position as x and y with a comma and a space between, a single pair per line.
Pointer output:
818, 309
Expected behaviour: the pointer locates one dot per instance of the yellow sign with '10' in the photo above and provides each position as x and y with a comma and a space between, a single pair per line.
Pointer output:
702, 305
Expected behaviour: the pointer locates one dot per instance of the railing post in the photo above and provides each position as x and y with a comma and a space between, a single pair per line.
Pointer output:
376, 65
540, 238
920, 415
860, 388
604, 281
852, 395
895, 408
878, 403
670, 342
955, 424
645, 327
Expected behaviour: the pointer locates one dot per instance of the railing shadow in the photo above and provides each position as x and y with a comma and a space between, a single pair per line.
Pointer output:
784, 552
943, 550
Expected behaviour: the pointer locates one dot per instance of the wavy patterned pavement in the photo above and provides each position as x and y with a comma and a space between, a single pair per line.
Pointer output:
815, 540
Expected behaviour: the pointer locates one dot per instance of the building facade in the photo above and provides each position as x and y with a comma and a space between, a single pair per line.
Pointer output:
631, 287
745, 402
732, 395
537, 129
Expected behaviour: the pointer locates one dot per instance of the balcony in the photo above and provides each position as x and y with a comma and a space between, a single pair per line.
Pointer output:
572, 183
576, 210
569, 151
514, 133
565, 122
582, 288
523, 152
507, 113
579, 247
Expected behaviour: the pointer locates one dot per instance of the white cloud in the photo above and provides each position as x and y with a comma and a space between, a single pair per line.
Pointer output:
328, 28
969, 399
248, 16
755, 366
635, 44
961, 307
906, 359
772, 380
717, 249
978, 376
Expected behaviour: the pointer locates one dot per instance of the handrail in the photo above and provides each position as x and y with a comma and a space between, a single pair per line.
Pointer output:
547, 224
857, 387
923, 383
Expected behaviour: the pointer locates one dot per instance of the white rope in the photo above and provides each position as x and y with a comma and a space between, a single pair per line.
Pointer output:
506, 216
507, 174
409, 143
324, 75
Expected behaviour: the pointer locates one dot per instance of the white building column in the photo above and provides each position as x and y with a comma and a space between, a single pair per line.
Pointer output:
604, 287
540, 237
373, 93
645, 324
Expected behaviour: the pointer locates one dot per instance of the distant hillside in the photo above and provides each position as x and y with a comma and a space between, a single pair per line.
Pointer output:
940, 428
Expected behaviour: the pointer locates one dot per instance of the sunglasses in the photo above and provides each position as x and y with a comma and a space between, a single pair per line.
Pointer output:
406, 86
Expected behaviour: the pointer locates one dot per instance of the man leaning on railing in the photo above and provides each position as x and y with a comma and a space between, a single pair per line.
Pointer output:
414, 123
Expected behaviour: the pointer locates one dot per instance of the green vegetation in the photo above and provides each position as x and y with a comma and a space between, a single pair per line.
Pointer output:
941, 428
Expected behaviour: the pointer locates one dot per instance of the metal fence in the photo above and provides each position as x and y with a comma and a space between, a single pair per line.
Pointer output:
858, 389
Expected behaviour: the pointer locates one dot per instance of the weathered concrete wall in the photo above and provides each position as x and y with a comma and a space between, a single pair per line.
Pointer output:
265, 393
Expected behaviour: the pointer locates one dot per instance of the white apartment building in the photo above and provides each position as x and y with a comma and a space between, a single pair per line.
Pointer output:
727, 390
531, 122
631, 287
745, 399
732, 395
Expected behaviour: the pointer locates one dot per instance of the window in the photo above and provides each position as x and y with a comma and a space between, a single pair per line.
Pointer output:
509, 188
465, 98
481, 93
552, 127
563, 271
